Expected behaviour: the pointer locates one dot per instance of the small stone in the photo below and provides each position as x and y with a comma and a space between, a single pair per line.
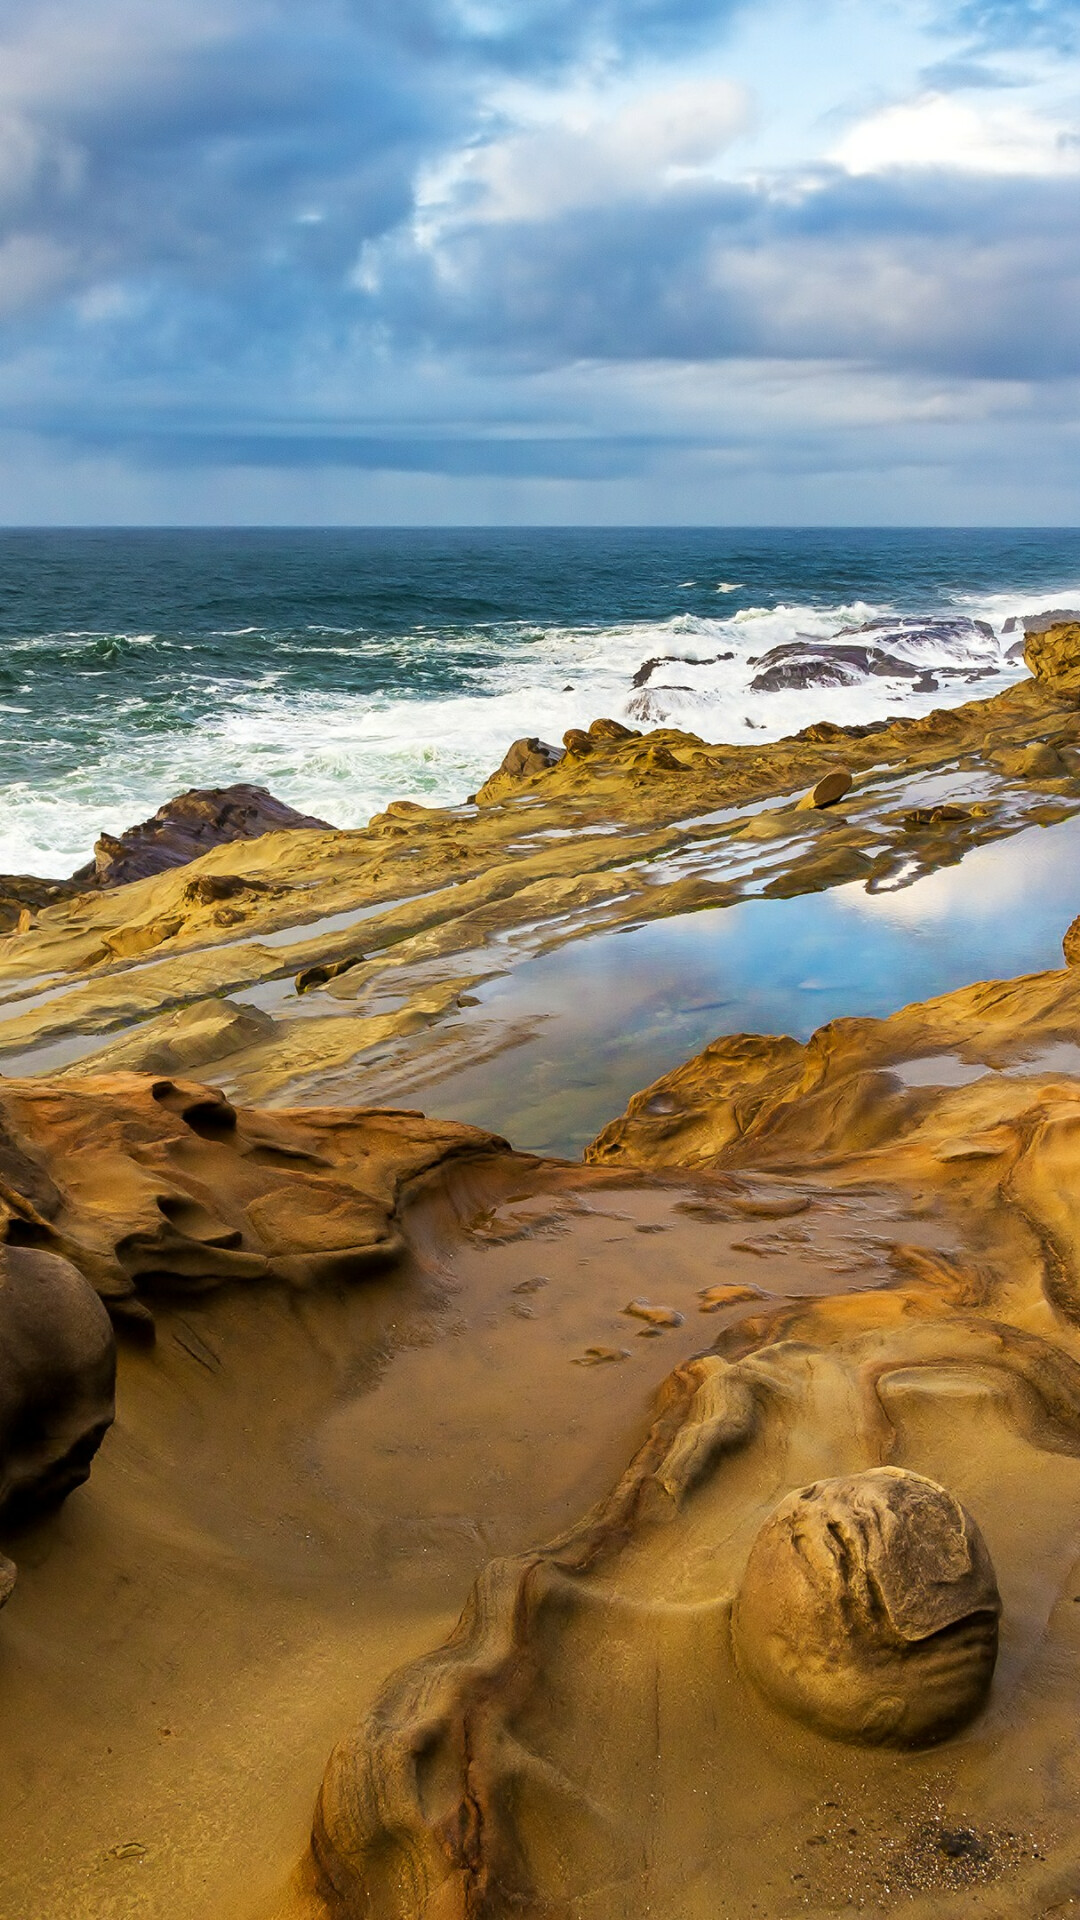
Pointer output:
601, 1356
713, 1298
656, 1316
830, 788
962, 1843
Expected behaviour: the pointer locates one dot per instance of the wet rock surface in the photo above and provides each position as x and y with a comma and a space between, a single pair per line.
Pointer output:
393, 929
835, 1629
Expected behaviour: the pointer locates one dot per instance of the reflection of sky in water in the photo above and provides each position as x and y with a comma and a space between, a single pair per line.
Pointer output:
623, 1008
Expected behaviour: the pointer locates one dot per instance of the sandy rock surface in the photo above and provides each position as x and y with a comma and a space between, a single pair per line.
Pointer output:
691, 1531
807, 1721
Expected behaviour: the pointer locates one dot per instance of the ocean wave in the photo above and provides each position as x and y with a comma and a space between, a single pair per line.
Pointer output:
432, 712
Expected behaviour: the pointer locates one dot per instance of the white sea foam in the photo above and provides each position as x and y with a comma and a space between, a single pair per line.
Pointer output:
342, 754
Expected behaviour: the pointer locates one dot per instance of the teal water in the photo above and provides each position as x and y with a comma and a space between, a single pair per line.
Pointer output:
343, 669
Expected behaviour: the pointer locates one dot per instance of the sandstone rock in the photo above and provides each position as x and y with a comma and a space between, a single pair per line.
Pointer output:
1070, 945
713, 1299
181, 1042
654, 1316
22, 896
612, 730
830, 788
869, 1609
155, 1185
184, 828
945, 815
578, 743
771, 824
529, 756
328, 970
1039, 761
57, 1376
1053, 654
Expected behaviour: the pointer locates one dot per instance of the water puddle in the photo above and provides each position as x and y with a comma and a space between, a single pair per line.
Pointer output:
303, 931
611, 1012
23, 1002
55, 1055
949, 1070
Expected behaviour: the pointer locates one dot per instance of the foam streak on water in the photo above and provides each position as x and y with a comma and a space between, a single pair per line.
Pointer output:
343, 670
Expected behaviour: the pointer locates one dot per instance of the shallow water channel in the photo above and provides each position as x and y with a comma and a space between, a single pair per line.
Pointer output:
609, 1013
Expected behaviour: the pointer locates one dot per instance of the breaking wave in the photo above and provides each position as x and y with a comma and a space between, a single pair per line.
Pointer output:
99, 729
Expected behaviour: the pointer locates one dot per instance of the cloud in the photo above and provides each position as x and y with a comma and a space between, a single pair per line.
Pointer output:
912, 270
944, 132
588, 148
1018, 23
429, 235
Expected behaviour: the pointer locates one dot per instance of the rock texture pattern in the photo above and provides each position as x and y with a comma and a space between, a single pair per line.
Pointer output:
787, 1607
1053, 653
157, 1186
57, 1377
184, 828
869, 1609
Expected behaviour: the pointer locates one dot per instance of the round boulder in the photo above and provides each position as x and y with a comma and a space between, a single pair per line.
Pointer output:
57, 1379
869, 1610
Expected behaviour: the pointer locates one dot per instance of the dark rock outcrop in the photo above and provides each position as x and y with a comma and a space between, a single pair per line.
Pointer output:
22, 895
184, 828
825, 663
57, 1379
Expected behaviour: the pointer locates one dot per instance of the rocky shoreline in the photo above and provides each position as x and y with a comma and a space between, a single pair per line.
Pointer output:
752, 1439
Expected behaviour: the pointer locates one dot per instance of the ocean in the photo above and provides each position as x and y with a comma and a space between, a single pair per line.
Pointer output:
346, 668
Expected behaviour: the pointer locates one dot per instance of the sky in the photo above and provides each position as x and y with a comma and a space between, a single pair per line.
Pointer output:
553, 261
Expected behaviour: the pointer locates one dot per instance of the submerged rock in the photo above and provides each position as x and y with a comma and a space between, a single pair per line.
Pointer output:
825, 663
869, 1609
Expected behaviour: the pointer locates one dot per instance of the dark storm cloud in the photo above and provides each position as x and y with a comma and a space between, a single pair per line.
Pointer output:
923, 272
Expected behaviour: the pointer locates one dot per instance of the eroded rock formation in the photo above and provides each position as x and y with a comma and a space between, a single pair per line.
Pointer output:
57, 1377
1052, 651
691, 1702
161, 1185
869, 1609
